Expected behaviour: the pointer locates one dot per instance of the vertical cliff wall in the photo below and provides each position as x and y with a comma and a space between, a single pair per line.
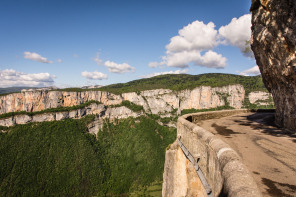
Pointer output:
159, 101
273, 43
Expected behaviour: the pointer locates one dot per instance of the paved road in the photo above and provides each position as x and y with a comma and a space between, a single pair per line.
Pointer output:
267, 151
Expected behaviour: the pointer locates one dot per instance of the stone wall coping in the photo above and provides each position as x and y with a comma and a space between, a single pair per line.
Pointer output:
237, 180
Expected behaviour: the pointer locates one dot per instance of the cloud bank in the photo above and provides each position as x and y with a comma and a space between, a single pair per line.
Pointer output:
184, 71
94, 75
195, 36
10, 77
118, 68
36, 57
252, 71
114, 67
98, 60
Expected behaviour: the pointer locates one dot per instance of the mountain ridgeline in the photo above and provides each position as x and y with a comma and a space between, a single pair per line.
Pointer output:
182, 82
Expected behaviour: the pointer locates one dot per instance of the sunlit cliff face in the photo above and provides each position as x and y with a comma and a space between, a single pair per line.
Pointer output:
273, 43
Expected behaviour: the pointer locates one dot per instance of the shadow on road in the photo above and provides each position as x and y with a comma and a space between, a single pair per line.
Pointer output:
264, 121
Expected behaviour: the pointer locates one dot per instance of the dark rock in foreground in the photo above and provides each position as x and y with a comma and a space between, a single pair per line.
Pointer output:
273, 43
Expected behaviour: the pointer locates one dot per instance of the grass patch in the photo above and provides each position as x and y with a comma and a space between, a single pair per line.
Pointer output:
3, 128
58, 109
153, 190
165, 120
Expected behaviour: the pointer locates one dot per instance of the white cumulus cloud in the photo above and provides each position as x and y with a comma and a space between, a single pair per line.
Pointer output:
195, 36
156, 64
184, 71
11, 78
59, 60
118, 68
211, 59
187, 47
199, 38
252, 71
238, 33
181, 59
94, 75
35, 57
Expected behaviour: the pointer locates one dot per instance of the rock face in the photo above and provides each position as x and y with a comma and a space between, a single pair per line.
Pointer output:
273, 43
31, 101
261, 98
99, 110
163, 102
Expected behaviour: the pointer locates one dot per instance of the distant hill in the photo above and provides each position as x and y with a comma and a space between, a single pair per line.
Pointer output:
173, 82
184, 81
12, 89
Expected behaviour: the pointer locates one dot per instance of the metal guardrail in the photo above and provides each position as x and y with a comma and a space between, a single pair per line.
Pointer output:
197, 168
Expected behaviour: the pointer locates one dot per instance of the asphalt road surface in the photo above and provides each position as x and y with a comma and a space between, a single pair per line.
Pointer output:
268, 152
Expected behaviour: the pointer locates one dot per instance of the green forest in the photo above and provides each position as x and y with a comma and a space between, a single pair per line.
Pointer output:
61, 159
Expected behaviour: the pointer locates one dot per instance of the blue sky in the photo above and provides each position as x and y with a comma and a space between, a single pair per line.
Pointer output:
86, 42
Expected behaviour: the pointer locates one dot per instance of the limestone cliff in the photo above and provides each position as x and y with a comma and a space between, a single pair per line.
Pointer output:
31, 101
99, 110
273, 43
159, 101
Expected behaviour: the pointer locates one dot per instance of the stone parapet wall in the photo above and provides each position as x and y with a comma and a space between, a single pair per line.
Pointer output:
220, 164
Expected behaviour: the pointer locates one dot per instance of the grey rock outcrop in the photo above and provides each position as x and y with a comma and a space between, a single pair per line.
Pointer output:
274, 43
95, 126
262, 98
7, 122
120, 113
62, 115
22, 119
99, 110
43, 117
